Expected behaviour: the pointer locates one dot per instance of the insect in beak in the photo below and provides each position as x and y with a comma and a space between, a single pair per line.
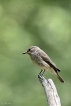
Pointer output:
24, 53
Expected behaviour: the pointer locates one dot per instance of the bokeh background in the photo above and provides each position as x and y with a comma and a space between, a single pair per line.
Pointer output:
44, 23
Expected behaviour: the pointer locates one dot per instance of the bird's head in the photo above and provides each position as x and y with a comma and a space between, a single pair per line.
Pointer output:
31, 50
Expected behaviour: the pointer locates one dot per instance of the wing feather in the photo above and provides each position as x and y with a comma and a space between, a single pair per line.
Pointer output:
46, 58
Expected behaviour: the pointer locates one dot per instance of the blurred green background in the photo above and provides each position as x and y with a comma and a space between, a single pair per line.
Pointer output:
44, 23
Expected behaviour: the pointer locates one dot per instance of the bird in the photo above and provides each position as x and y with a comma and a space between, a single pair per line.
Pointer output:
43, 61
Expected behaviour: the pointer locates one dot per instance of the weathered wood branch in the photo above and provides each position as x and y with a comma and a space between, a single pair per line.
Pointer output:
50, 91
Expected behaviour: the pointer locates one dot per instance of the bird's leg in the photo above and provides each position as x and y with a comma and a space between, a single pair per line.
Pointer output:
43, 71
40, 72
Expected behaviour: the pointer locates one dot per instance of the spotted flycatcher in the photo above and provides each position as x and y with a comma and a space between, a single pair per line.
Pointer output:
42, 60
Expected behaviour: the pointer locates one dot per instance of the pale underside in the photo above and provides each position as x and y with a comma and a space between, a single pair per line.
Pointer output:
43, 65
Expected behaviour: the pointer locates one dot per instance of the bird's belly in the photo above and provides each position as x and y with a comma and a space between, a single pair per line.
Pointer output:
40, 63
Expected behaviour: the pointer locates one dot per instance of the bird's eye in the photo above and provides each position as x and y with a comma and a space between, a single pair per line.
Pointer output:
29, 49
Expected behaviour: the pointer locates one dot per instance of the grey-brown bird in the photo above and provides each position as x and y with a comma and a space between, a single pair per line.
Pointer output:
42, 60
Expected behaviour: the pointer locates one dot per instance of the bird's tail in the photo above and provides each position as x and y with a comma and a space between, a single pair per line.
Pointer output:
60, 78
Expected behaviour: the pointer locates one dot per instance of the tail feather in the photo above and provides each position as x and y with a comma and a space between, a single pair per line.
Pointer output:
58, 70
60, 78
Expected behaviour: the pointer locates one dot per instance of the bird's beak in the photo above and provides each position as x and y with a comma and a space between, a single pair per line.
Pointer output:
24, 53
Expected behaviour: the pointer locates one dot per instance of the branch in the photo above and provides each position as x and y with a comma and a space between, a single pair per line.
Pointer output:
50, 91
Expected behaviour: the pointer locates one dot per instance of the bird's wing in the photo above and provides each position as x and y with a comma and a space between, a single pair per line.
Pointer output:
46, 58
